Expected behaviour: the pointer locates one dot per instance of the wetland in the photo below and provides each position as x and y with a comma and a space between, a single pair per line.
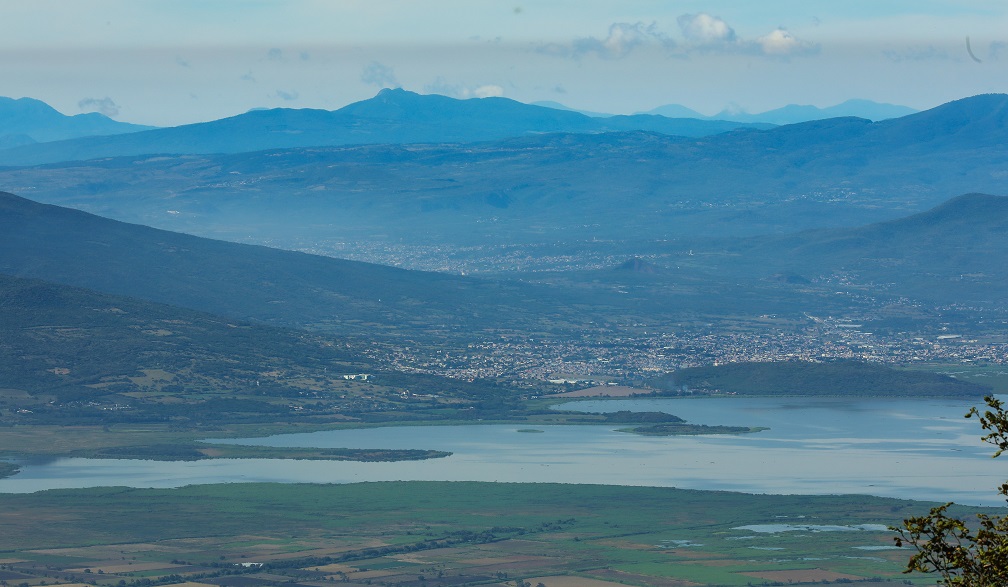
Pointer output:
809, 446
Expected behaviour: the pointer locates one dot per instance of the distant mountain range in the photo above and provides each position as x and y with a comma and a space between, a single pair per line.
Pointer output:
554, 187
26, 121
790, 114
394, 116
795, 113
391, 117
559, 106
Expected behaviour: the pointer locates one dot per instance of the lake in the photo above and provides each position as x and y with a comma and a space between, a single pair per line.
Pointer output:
917, 449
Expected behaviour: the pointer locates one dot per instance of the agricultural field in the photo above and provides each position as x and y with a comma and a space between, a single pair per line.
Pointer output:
442, 533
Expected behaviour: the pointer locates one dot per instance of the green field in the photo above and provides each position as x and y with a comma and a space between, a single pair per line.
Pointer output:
442, 533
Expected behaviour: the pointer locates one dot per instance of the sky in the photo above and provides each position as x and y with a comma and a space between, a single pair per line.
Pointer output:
170, 62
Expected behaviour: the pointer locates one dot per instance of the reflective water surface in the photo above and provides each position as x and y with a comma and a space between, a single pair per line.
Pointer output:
919, 449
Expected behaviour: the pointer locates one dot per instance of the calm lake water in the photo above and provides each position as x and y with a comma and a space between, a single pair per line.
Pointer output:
919, 449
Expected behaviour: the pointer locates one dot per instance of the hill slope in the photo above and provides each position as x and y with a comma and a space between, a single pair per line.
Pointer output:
89, 351
945, 265
953, 253
239, 281
73, 356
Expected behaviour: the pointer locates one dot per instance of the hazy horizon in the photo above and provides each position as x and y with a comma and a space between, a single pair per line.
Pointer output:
732, 109
167, 64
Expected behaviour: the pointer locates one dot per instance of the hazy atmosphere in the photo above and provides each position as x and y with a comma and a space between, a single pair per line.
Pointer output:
444, 293
175, 62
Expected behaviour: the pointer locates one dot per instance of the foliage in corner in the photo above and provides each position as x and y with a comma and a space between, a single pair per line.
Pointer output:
963, 556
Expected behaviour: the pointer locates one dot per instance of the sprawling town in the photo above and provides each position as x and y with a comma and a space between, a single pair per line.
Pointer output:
597, 354
627, 357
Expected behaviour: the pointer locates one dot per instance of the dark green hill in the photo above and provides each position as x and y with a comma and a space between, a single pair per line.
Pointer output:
75, 356
842, 379
71, 355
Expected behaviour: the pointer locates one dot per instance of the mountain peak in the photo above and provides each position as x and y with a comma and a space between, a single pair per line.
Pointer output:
400, 104
395, 93
13, 108
675, 111
27, 120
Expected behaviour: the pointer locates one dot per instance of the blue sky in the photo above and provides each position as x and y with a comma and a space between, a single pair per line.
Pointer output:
168, 62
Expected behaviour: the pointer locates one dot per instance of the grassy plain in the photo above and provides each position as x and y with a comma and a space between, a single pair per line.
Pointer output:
443, 533
151, 441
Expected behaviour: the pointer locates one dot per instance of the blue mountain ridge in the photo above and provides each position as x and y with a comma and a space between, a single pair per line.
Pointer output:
550, 186
391, 117
795, 113
790, 114
26, 121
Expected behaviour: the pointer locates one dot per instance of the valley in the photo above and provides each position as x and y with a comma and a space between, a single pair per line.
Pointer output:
171, 312
439, 534
503, 294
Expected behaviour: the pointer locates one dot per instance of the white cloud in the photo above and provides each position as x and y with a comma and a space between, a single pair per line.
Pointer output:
622, 39
105, 105
288, 96
706, 31
782, 43
488, 92
442, 87
701, 32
